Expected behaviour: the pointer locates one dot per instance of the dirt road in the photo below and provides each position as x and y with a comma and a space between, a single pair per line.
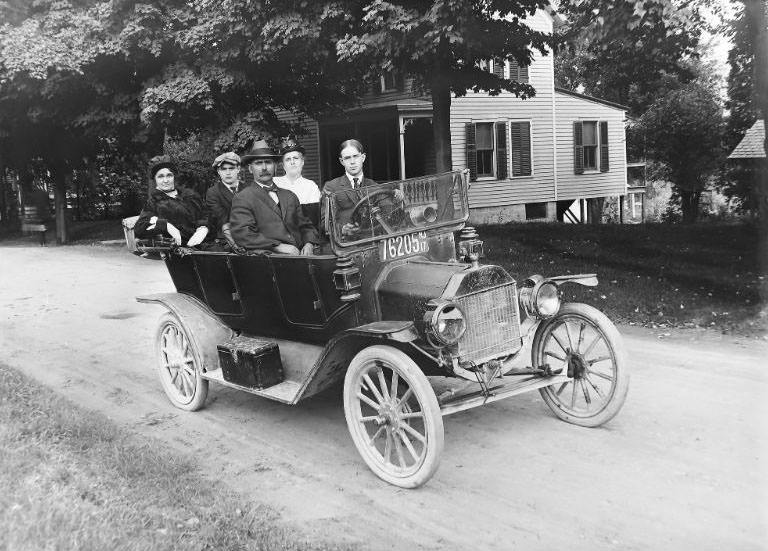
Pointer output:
683, 466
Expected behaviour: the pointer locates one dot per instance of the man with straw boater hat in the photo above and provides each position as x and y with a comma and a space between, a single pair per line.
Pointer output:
266, 217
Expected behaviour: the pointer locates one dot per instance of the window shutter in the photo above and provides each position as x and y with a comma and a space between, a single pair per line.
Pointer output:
521, 148
376, 85
498, 67
604, 146
501, 151
471, 152
578, 149
523, 74
514, 69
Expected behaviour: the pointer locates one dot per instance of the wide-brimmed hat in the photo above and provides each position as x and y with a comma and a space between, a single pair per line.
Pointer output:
259, 150
229, 157
159, 162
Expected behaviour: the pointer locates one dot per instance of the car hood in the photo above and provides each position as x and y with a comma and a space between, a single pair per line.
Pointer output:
405, 289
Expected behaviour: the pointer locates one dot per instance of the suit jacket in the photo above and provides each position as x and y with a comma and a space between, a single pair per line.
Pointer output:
344, 201
185, 211
218, 205
257, 222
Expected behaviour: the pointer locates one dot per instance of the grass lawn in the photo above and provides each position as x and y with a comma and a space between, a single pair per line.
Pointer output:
656, 275
71, 479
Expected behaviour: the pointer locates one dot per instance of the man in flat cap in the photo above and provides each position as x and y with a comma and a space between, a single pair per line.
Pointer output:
266, 217
218, 198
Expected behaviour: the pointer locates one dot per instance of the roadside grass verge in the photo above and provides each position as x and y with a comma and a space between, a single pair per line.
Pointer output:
72, 479
656, 275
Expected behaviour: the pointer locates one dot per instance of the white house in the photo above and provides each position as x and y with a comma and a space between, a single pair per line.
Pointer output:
529, 159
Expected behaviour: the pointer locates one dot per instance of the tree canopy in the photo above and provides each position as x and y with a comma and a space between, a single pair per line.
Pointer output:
684, 130
441, 43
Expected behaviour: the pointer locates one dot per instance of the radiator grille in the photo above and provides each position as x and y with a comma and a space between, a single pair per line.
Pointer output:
493, 324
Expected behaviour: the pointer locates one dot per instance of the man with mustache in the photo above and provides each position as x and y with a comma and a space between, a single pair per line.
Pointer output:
266, 217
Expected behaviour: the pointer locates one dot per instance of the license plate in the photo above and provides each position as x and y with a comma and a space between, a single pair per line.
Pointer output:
403, 245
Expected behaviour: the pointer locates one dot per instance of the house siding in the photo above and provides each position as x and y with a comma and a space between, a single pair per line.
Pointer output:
480, 107
592, 183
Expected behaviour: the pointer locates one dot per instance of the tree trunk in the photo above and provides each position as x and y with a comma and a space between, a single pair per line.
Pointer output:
756, 12
60, 203
689, 205
441, 123
595, 210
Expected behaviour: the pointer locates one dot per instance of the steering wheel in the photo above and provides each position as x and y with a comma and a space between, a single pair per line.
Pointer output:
374, 207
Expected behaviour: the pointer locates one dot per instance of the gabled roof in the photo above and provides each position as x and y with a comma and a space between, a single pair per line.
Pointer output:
590, 98
752, 144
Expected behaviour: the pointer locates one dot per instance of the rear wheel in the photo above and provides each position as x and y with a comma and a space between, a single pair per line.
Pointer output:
586, 345
393, 416
178, 365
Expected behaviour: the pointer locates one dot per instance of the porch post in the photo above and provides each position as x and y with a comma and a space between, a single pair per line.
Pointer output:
401, 142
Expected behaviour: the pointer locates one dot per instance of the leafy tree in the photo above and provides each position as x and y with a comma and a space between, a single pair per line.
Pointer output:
684, 130
441, 43
627, 51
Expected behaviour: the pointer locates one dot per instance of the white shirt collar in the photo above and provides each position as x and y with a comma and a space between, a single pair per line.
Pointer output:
351, 179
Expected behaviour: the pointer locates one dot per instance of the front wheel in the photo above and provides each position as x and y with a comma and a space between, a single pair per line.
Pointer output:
393, 416
178, 365
586, 345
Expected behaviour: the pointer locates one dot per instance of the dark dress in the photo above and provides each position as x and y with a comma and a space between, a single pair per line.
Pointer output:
185, 211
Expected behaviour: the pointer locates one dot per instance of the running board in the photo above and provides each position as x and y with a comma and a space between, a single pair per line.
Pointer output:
460, 402
286, 391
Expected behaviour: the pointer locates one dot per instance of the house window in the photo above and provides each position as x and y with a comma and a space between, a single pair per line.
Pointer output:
590, 146
589, 129
388, 81
485, 148
517, 72
520, 145
535, 211
485, 65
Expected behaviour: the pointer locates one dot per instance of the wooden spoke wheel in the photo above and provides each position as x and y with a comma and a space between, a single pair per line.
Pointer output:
584, 343
393, 416
178, 365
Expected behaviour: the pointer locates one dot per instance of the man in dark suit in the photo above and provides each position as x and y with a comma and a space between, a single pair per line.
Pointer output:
218, 198
352, 157
267, 217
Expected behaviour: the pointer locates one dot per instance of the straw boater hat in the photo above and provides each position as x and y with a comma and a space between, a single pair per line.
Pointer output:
259, 150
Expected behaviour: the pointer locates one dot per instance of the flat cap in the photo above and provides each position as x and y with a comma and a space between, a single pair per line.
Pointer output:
228, 157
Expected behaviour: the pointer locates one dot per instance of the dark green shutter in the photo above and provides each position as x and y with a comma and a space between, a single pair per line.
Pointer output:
578, 149
400, 80
501, 151
498, 67
521, 148
376, 85
471, 149
603, 146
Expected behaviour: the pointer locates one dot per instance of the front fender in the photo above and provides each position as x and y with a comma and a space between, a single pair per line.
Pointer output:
588, 280
203, 327
334, 360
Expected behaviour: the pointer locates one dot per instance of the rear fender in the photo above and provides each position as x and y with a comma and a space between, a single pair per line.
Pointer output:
203, 327
333, 362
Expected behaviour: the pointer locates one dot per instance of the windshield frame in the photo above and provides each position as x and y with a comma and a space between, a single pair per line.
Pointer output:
342, 247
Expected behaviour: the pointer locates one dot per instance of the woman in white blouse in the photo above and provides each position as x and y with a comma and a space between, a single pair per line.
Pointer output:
306, 190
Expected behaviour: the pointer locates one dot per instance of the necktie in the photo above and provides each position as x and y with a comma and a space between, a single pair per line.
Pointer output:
355, 181
272, 190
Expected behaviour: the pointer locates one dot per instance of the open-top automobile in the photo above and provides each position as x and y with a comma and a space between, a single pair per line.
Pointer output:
398, 306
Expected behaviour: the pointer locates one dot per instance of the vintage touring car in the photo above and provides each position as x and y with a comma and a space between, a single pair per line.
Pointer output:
400, 310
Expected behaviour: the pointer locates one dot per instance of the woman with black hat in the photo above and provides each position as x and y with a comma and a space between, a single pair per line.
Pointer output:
177, 212
304, 188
